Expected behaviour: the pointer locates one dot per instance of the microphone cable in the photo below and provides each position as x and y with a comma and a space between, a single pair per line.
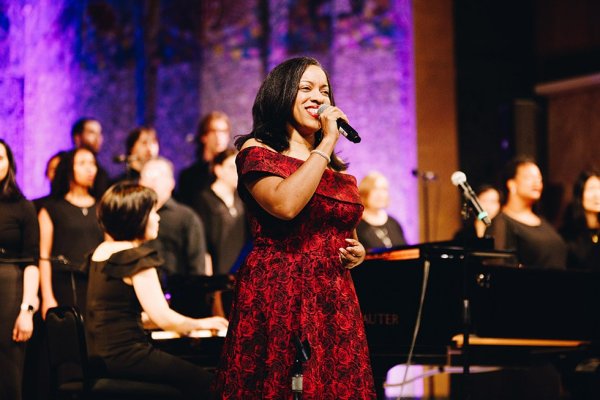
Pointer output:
405, 380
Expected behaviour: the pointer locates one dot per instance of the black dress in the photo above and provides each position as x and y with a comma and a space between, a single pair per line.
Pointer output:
117, 343
390, 234
227, 230
535, 246
76, 234
19, 239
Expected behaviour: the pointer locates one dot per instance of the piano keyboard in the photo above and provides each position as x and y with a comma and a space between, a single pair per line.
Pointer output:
200, 333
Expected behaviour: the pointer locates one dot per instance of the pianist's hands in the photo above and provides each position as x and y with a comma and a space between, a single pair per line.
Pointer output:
353, 254
214, 323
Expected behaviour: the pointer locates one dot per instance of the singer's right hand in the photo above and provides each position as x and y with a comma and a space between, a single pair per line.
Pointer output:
328, 119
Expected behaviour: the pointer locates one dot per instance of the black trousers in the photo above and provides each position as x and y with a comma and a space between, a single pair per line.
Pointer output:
12, 354
160, 367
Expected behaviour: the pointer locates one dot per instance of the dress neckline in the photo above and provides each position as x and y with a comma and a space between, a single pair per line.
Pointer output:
84, 210
297, 160
524, 224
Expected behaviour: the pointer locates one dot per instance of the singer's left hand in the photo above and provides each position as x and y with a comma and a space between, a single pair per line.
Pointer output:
353, 254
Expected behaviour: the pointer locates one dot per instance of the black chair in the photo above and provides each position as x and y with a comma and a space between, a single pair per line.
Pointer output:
70, 370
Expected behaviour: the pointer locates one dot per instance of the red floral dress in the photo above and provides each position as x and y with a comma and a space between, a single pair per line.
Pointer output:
293, 283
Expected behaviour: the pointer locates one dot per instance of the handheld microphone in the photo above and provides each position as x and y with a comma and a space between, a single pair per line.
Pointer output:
344, 127
460, 179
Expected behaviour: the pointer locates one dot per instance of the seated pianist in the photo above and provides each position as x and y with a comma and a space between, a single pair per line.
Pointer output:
123, 282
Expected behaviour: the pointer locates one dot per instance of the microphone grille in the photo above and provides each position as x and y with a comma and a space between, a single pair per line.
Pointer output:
458, 178
322, 108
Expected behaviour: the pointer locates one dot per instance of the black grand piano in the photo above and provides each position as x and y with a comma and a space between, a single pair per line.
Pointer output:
517, 316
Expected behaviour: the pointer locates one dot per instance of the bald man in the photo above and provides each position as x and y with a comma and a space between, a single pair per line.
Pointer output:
181, 238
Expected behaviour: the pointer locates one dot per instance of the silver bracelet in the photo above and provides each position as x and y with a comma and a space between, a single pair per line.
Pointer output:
322, 154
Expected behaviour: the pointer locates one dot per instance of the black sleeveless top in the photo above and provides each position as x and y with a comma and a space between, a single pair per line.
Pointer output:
113, 321
76, 233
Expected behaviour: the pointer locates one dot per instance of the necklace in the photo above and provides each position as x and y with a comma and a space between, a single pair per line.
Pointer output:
81, 202
232, 211
382, 233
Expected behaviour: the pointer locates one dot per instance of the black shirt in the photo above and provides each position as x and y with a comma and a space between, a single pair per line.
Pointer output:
535, 246
76, 232
192, 181
390, 234
227, 229
181, 240
584, 249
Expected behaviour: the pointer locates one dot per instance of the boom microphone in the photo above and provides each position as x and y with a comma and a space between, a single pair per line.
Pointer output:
344, 127
460, 179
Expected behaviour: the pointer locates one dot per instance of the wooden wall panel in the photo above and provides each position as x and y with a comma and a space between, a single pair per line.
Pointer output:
436, 114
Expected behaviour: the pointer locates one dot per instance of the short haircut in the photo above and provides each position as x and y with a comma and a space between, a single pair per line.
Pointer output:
124, 210
79, 126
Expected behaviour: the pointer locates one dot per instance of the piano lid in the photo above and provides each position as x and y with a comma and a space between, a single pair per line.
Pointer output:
482, 249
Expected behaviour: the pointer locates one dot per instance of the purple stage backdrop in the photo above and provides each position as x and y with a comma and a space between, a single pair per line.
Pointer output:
166, 63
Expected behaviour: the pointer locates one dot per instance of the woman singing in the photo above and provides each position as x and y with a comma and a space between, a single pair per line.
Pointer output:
581, 227
295, 285
518, 228
68, 231
19, 248
123, 282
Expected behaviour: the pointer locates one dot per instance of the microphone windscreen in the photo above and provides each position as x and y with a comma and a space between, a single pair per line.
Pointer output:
458, 178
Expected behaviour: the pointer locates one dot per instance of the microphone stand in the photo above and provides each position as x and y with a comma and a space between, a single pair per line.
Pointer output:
426, 177
302, 355
466, 210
